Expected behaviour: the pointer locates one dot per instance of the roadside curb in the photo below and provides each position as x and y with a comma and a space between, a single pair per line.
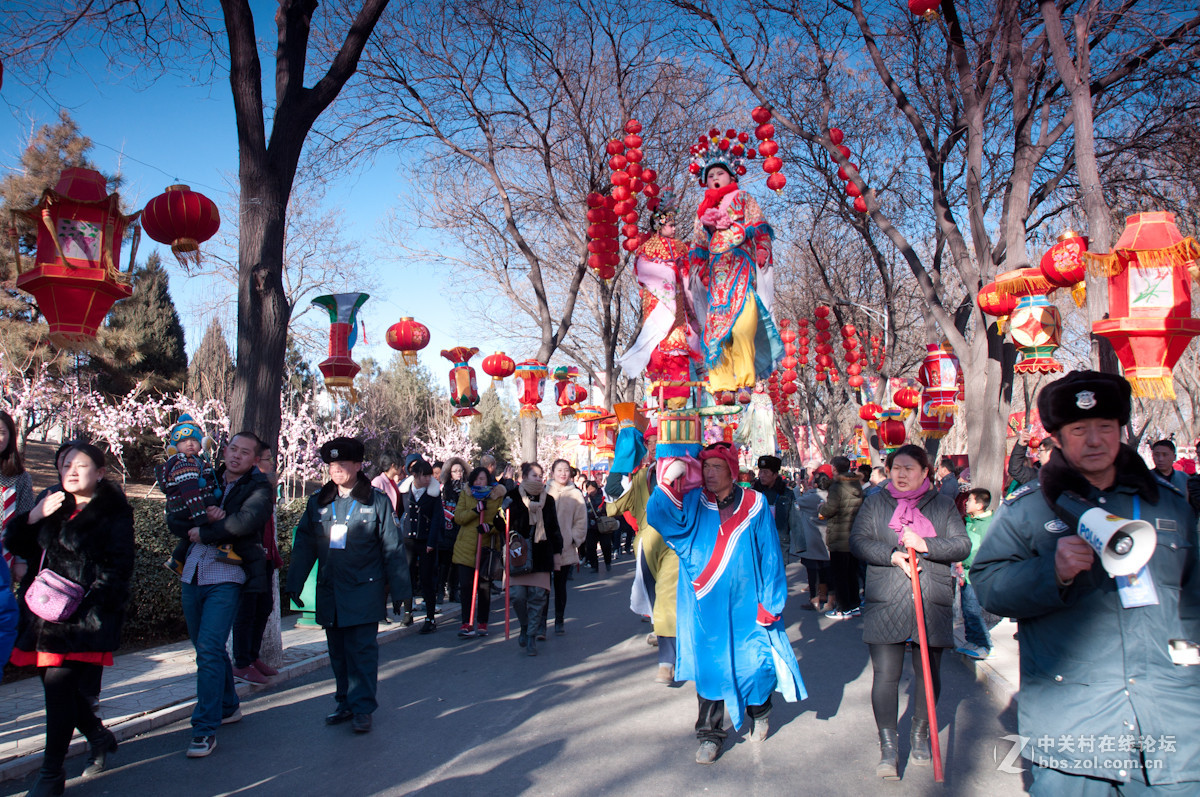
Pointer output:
138, 724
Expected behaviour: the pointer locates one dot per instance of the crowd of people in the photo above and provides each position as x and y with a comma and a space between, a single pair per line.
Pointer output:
1101, 655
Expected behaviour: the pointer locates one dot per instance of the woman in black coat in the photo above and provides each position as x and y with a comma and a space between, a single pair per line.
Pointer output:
85, 533
533, 516
908, 512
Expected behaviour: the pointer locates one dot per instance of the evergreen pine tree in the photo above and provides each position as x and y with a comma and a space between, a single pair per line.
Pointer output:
489, 430
152, 348
210, 373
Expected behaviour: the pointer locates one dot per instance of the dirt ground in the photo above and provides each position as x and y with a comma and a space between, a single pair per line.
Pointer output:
39, 461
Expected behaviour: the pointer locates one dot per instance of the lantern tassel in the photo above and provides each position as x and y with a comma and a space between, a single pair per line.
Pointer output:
1079, 293
1152, 387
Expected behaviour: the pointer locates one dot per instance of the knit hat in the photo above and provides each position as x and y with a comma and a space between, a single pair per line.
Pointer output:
1084, 394
184, 429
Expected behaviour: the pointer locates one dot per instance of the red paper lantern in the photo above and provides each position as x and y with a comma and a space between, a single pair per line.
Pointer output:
835, 136
764, 131
925, 8
776, 182
464, 392
633, 126
182, 218
761, 115
860, 205
853, 190
996, 304
1063, 265
869, 412
76, 275
498, 366
1150, 300
907, 398
772, 165
408, 337
891, 429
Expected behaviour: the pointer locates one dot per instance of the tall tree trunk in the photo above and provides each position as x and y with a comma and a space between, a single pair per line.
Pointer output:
1076, 76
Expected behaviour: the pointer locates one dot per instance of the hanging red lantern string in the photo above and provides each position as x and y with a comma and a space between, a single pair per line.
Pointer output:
769, 148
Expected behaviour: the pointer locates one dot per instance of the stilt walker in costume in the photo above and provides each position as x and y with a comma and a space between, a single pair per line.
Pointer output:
668, 340
631, 481
730, 597
731, 256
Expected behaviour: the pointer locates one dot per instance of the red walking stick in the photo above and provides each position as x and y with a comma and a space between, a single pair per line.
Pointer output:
475, 584
507, 526
934, 740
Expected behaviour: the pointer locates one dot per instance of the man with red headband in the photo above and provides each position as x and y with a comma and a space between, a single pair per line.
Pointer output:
731, 592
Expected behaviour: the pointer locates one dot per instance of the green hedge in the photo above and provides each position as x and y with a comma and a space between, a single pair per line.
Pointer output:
155, 614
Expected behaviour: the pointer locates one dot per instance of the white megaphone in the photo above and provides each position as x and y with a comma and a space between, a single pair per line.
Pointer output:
1123, 545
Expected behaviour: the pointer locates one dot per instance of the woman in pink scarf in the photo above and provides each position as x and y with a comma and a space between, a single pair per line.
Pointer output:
907, 513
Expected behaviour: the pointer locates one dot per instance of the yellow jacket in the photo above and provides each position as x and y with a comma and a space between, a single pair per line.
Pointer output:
467, 518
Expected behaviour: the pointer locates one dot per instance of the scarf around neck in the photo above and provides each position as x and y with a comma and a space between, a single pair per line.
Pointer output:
534, 503
907, 514
713, 197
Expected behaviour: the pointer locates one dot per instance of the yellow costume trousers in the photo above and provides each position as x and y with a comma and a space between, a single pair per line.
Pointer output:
736, 368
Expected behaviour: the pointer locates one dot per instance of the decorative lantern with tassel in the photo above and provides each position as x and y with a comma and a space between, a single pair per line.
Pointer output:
339, 369
408, 337
1149, 320
182, 218
1035, 322
891, 429
76, 275
1063, 265
532, 376
464, 392
939, 376
567, 394
498, 366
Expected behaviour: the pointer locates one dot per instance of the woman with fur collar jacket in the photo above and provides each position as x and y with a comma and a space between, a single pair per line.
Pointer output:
83, 532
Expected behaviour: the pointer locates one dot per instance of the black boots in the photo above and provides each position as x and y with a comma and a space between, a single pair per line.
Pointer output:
888, 755
919, 753
101, 748
49, 784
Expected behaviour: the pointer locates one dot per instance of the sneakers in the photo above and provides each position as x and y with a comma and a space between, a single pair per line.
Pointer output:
559, 629
522, 639
249, 674
407, 619
709, 752
482, 630
201, 746
976, 652
466, 632
264, 668
834, 614
236, 716
429, 626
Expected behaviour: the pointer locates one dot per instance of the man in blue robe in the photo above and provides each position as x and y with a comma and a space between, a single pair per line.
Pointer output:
732, 589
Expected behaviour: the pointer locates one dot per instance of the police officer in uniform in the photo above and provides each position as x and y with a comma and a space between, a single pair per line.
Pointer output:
349, 531
1109, 704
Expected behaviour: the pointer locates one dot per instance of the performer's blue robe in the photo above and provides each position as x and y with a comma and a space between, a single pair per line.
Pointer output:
727, 572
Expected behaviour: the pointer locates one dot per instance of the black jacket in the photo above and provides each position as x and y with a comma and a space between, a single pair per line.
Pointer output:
779, 498
840, 509
95, 549
249, 504
423, 518
1019, 468
518, 518
352, 582
888, 612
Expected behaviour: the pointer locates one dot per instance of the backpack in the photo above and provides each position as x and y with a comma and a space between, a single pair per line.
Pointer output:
520, 554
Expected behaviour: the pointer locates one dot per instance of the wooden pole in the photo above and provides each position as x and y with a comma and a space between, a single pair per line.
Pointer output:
934, 740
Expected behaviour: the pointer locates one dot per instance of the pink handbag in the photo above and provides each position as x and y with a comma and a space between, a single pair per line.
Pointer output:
52, 597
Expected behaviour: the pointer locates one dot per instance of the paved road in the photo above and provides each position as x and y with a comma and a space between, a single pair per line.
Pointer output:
583, 718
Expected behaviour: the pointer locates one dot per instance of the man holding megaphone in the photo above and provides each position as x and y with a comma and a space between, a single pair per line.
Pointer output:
1097, 562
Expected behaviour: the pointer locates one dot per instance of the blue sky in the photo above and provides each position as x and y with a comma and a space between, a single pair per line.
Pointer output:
178, 131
